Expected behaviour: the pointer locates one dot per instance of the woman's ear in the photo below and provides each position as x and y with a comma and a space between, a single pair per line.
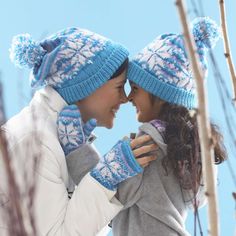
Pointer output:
77, 103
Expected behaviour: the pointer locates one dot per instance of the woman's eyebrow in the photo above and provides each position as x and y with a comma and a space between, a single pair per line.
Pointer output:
121, 82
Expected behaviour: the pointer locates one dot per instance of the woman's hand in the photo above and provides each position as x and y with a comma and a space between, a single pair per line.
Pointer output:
143, 149
123, 161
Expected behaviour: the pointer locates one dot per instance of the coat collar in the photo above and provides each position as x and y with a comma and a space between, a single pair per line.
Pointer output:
51, 97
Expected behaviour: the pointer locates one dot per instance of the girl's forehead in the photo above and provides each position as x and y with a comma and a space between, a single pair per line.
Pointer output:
131, 83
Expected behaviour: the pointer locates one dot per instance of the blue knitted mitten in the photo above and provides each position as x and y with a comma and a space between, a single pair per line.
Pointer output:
116, 166
72, 133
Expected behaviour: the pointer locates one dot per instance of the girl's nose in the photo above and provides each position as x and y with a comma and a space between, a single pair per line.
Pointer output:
130, 96
124, 98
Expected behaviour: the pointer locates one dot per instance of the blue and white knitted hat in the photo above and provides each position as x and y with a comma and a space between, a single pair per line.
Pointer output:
163, 69
75, 62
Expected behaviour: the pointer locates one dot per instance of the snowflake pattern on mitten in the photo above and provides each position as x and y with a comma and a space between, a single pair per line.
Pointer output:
116, 166
72, 133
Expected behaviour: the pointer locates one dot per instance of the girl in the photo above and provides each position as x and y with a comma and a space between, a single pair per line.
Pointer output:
74, 67
163, 92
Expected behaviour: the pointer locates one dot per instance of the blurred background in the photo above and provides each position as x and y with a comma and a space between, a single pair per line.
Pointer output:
134, 24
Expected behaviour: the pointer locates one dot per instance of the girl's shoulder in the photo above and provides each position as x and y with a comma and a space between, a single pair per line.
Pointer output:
156, 130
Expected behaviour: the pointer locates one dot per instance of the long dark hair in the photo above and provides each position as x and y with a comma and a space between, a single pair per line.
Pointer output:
183, 145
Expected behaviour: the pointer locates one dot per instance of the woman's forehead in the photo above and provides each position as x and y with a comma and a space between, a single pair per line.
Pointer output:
120, 79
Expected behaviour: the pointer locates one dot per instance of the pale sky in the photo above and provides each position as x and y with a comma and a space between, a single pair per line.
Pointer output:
134, 24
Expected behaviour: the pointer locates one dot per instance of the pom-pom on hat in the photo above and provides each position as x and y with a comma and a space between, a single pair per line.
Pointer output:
163, 69
75, 62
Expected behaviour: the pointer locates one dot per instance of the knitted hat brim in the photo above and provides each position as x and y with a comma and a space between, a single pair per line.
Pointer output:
155, 86
79, 91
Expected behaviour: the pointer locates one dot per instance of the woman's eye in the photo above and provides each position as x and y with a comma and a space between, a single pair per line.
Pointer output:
120, 87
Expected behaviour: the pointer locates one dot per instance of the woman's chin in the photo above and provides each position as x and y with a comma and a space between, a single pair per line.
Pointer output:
107, 124
111, 123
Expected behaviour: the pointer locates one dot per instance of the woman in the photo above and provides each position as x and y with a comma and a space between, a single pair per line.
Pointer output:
74, 68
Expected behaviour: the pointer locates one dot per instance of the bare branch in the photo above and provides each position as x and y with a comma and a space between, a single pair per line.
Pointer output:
16, 216
17, 199
227, 53
2, 110
204, 126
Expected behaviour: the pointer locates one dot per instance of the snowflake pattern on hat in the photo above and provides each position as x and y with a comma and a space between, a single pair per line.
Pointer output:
166, 58
163, 69
76, 51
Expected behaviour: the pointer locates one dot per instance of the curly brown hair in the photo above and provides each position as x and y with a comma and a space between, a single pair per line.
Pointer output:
183, 145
